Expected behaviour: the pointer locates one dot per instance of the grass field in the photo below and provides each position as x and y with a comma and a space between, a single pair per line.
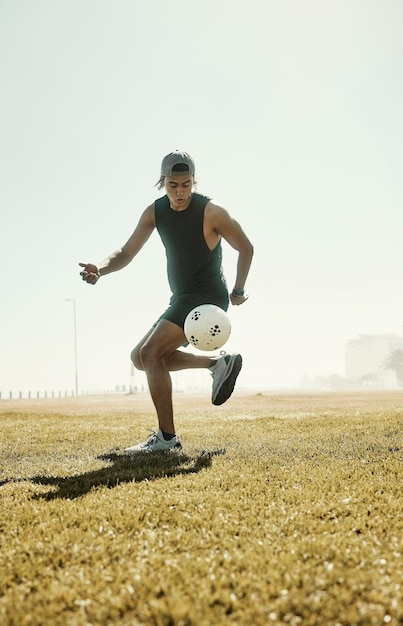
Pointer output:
281, 509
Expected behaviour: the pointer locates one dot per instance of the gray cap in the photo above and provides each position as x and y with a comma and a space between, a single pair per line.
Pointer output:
177, 158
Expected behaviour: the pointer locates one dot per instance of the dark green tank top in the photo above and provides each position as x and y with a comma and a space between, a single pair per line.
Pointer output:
191, 265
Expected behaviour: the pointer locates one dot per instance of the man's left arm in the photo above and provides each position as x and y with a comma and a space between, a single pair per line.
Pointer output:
228, 228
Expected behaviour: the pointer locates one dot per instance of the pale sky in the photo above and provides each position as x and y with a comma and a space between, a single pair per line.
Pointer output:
293, 113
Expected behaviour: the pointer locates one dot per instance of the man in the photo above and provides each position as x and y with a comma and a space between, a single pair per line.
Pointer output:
191, 227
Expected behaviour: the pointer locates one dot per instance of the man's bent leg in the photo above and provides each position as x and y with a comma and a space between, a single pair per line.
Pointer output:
177, 360
158, 354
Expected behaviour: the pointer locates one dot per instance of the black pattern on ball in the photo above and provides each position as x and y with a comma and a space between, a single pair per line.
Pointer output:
215, 330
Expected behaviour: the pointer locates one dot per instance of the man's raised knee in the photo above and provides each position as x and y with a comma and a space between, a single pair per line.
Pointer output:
135, 359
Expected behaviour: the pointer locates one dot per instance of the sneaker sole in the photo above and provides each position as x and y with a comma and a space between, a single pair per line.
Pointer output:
228, 385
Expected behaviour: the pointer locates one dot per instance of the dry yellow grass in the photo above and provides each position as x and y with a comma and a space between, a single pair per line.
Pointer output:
280, 510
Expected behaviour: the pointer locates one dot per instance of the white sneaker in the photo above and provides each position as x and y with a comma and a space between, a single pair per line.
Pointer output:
224, 376
156, 443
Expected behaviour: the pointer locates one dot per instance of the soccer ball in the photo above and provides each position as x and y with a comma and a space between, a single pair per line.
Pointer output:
207, 327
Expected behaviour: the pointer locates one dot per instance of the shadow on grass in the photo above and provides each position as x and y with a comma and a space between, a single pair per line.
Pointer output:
124, 469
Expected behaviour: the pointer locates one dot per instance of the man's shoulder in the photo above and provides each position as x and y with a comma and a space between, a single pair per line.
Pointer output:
214, 207
148, 215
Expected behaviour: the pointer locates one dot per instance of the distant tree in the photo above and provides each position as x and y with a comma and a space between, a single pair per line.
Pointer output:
394, 361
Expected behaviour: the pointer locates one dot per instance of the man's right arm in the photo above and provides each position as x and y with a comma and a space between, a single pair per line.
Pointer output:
122, 257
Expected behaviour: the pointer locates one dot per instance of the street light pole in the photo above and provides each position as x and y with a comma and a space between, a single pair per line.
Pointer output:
75, 341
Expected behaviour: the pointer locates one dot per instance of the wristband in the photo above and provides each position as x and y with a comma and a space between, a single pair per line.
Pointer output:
238, 293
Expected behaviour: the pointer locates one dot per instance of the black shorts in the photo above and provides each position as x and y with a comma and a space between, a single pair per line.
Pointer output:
182, 304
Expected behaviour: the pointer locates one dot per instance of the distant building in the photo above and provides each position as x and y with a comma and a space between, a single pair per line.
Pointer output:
365, 356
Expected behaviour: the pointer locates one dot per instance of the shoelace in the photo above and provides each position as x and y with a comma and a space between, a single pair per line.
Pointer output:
152, 437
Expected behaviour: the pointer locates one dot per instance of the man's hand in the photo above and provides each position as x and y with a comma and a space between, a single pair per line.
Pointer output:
90, 273
237, 300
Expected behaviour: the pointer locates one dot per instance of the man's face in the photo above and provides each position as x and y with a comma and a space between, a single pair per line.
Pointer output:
179, 190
